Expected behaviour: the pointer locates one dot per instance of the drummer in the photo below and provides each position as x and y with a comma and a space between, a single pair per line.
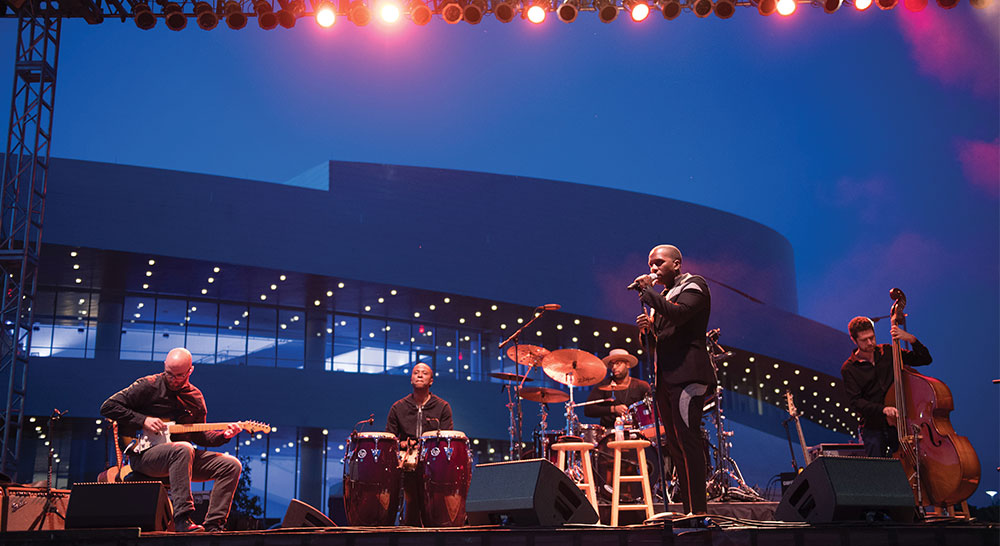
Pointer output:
618, 361
410, 417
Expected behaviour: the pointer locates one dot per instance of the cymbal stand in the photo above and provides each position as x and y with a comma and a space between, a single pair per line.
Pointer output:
516, 423
50, 505
718, 485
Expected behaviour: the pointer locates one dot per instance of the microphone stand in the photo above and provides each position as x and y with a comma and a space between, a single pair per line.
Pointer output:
648, 345
514, 393
50, 506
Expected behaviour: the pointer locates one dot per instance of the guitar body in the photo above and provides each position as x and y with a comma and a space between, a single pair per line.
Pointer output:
949, 466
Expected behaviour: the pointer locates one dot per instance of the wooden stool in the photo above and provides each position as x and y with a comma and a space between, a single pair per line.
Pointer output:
643, 477
583, 448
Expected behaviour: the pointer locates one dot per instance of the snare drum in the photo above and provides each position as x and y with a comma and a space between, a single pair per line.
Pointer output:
641, 415
371, 479
590, 433
446, 466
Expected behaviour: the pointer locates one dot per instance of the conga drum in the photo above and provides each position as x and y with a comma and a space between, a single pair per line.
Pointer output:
371, 479
446, 466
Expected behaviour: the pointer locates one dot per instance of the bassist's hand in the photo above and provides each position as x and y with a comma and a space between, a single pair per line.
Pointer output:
154, 425
890, 414
900, 334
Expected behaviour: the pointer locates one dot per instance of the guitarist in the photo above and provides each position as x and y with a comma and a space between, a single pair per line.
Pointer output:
169, 396
410, 417
868, 376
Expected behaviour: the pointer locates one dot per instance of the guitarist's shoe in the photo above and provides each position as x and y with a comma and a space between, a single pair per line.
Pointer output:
214, 527
185, 525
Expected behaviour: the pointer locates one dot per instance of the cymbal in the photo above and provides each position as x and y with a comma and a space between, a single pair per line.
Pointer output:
542, 394
613, 387
574, 367
510, 376
527, 355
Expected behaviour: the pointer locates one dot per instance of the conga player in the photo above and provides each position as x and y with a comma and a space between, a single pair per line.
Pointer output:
409, 418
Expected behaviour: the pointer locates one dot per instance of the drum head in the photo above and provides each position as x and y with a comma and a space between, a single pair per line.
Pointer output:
378, 435
453, 434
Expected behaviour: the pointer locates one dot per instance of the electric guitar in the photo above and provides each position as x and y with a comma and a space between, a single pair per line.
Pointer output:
120, 471
794, 412
146, 439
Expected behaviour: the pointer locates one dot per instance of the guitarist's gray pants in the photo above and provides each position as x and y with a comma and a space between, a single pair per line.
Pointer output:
181, 463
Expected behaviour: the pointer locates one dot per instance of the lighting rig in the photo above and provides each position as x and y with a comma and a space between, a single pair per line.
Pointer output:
270, 14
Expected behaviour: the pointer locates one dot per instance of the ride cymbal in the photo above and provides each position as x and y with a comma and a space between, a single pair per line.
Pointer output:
527, 355
574, 367
543, 394
510, 376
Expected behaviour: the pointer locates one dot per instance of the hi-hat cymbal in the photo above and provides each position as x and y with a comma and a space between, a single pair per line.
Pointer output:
574, 367
527, 355
545, 395
510, 376
613, 387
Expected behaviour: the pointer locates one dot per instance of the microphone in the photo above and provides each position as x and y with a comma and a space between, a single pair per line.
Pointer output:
635, 285
549, 307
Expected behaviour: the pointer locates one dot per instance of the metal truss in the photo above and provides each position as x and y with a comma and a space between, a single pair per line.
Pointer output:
22, 207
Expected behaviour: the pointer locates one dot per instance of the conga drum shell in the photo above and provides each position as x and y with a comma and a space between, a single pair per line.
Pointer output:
446, 466
371, 479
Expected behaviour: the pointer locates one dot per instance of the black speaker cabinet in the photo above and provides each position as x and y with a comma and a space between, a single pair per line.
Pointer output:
125, 504
300, 514
526, 493
848, 489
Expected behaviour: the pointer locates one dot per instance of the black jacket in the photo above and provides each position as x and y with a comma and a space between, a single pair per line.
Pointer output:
680, 322
636, 391
866, 383
403, 417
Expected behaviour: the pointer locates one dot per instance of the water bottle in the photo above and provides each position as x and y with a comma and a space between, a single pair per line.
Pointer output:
619, 429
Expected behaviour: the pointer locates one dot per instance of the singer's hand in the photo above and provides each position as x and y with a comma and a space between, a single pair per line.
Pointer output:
644, 322
644, 281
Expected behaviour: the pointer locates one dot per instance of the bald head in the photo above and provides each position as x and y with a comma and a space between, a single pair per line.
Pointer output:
665, 263
669, 251
422, 376
177, 367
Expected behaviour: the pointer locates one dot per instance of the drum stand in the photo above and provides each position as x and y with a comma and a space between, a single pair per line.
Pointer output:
718, 486
514, 398
50, 498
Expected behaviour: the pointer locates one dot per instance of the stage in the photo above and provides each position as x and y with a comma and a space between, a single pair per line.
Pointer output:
722, 531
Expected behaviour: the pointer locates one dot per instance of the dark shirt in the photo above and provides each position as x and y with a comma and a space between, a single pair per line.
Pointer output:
680, 320
404, 416
866, 383
636, 391
149, 397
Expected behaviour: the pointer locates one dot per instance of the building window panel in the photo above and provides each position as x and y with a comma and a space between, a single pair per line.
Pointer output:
373, 345
262, 336
291, 350
232, 342
168, 331
346, 343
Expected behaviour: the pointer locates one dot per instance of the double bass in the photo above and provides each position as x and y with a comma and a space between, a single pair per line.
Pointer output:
942, 466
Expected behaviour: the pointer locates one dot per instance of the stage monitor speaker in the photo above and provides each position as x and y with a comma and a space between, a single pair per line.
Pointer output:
526, 493
848, 489
27, 508
124, 504
300, 514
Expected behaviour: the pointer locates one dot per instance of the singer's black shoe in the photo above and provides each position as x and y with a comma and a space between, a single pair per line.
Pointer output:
185, 525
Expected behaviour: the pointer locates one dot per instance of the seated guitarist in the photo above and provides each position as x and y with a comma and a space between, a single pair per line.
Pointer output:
169, 396
410, 417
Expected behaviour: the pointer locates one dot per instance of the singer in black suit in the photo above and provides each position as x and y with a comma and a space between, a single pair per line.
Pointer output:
678, 320
409, 418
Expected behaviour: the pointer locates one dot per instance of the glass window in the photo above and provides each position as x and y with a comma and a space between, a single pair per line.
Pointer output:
372, 345
137, 328
398, 356
71, 326
291, 338
281, 470
201, 329
423, 345
232, 342
262, 334
42, 330
168, 331
447, 353
346, 331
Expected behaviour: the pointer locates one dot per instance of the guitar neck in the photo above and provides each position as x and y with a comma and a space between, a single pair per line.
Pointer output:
802, 441
197, 427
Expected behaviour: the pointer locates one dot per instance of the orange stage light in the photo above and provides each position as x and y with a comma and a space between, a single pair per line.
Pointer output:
325, 15
389, 12
639, 10
536, 14
862, 5
786, 7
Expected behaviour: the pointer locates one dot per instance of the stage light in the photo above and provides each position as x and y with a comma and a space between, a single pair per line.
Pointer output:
724, 9
143, 16
266, 19
638, 9
670, 8
915, 5
505, 10
536, 12
235, 18
205, 15
474, 11
175, 18
831, 6
607, 11
419, 12
389, 12
886, 4
767, 7
948, 4
980, 4
568, 11
701, 8
862, 5
359, 14
452, 12
786, 7
289, 12
325, 14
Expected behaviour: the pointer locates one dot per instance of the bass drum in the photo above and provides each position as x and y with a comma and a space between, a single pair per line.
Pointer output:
604, 467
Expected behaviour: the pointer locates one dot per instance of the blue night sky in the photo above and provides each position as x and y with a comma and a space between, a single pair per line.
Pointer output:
868, 139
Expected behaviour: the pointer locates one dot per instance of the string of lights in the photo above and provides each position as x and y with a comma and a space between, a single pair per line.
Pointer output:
285, 13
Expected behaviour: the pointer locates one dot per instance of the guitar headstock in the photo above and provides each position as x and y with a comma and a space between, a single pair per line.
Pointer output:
792, 410
254, 426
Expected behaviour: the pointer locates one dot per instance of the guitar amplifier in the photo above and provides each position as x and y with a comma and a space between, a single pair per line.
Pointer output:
837, 450
22, 508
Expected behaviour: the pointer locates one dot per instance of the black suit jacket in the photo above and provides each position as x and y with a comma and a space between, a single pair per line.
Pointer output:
680, 320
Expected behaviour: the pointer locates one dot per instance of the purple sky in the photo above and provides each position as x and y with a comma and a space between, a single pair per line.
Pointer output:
869, 140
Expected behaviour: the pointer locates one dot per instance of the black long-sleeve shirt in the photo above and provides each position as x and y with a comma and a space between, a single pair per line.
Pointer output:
405, 416
636, 391
149, 397
680, 320
866, 383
